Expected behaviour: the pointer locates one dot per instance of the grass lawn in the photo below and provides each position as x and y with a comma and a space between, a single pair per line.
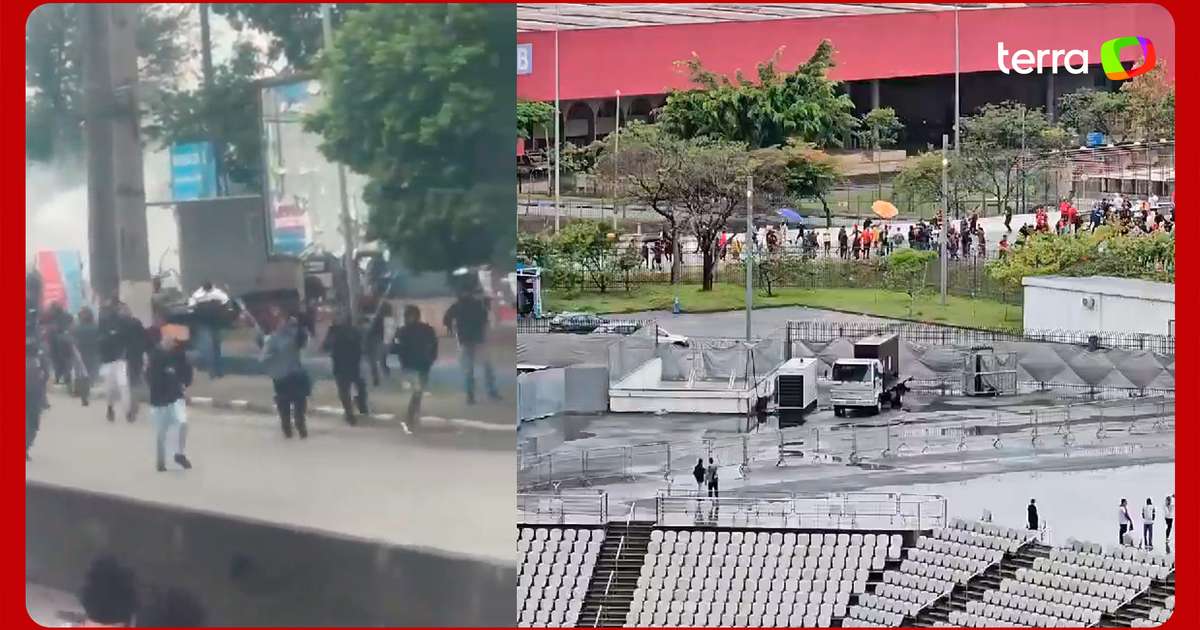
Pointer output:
974, 313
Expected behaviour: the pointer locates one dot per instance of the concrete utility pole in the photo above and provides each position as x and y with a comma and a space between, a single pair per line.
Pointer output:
749, 253
206, 65
557, 124
945, 215
348, 226
117, 248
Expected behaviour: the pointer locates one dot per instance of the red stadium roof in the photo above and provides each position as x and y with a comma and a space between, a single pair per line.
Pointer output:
596, 60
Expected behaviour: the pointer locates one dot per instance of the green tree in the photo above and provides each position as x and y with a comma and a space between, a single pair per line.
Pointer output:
804, 103
1004, 142
587, 246
414, 104
878, 129
54, 71
649, 174
1151, 104
295, 29
905, 270
1088, 110
219, 112
920, 179
1104, 252
531, 115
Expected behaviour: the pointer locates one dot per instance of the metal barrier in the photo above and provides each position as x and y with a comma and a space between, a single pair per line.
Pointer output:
580, 508
1072, 426
854, 510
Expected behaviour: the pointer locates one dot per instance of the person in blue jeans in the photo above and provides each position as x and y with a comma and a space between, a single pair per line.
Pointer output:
468, 319
168, 374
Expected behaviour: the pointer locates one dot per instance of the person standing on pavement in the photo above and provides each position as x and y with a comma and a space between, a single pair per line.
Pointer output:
281, 357
209, 305
114, 372
376, 310
168, 374
1148, 516
344, 343
416, 344
1169, 518
58, 339
137, 342
86, 338
1123, 520
1032, 513
698, 474
712, 480
468, 319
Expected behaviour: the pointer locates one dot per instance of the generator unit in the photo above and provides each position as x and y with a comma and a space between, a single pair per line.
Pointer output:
795, 390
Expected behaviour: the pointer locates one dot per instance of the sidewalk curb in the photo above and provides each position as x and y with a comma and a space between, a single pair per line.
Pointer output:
333, 412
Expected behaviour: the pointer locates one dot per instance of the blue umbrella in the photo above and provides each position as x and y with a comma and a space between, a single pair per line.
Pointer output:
790, 215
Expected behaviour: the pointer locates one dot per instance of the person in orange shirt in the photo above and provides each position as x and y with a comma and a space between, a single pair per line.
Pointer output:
866, 243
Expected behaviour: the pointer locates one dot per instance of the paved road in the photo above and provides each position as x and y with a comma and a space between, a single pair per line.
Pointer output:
373, 482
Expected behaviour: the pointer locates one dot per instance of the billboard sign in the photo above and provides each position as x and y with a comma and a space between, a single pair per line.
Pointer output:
524, 59
62, 279
193, 171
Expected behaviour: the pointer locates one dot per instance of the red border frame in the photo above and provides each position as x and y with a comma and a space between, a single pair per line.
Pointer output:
12, 473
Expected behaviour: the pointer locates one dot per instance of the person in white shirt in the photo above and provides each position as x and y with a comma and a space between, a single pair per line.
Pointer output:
1169, 516
1148, 515
1123, 519
208, 304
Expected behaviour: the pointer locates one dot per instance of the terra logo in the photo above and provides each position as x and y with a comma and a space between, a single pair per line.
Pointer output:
1076, 61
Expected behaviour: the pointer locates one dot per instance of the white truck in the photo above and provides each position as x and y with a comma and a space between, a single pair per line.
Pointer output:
871, 378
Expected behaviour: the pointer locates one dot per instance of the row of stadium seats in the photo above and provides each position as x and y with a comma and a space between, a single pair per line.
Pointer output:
1101, 602
555, 570
863, 617
1120, 559
986, 544
942, 566
1075, 609
1115, 585
1052, 615
808, 581
1158, 616
959, 619
774, 538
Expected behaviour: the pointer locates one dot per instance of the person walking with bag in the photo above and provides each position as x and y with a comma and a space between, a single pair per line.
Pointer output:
281, 357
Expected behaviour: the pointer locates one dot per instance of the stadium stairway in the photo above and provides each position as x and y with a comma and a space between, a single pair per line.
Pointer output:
608, 609
1139, 607
939, 611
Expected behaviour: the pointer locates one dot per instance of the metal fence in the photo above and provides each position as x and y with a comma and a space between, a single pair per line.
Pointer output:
1062, 428
555, 508
854, 510
824, 331
531, 326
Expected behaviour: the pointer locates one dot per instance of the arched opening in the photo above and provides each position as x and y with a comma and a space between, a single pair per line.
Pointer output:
580, 127
640, 109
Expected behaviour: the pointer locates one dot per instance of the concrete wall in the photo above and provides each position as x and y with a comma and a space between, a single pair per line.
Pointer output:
256, 574
1059, 309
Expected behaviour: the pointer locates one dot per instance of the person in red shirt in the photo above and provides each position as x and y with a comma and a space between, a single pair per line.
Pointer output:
1041, 219
866, 243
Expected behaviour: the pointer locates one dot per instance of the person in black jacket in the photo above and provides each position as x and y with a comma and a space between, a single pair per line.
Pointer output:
468, 318
344, 343
416, 345
114, 372
35, 389
375, 311
1032, 513
168, 374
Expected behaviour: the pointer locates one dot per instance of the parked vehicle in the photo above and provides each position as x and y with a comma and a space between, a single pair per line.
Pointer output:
871, 378
578, 323
628, 328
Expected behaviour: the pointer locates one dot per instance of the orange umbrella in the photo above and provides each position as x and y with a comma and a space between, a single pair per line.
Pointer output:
884, 209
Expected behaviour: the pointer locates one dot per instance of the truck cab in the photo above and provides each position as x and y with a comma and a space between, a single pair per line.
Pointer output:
856, 383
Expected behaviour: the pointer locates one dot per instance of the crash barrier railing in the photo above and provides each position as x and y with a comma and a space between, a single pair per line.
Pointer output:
1079, 428
817, 331
852, 510
557, 508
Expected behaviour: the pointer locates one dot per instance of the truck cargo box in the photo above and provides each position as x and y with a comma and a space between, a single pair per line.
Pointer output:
885, 348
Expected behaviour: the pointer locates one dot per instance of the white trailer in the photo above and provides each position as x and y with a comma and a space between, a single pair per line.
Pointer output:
795, 390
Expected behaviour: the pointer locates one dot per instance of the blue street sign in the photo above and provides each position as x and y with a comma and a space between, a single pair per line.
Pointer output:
524, 59
193, 171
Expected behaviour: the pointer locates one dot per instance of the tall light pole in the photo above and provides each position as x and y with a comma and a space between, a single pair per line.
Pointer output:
945, 216
557, 123
347, 222
956, 80
749, 252
616, 158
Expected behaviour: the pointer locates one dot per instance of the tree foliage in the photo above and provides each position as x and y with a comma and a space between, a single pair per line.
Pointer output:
413, 96
796, 172
1142, 109
54, 71
295, 29
531, 115
220, 112
905, 270
920, 178
880, 128
1001, 142
1105, 252
804, 104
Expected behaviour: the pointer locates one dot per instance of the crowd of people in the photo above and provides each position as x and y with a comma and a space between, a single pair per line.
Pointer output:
966, 238
1125, 524
116, 352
